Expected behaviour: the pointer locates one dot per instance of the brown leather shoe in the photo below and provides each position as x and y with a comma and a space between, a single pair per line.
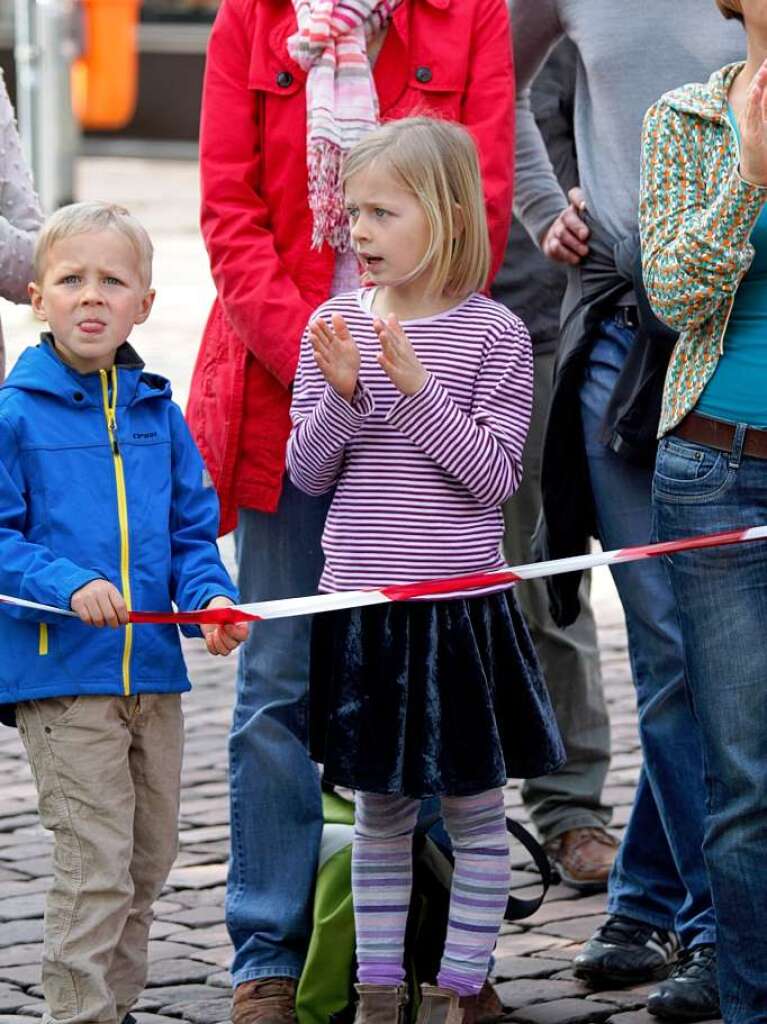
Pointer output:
488, 1008
583, 857
265, 1001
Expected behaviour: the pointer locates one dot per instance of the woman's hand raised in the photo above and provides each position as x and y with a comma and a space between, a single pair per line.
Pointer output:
336, 354
753, 130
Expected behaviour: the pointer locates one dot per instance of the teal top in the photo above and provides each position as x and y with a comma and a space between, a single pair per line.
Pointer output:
737, 391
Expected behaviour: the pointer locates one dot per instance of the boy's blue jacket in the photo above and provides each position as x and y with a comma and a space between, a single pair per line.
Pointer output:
76, 505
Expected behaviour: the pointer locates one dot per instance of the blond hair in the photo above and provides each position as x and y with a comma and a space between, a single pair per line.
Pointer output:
83, 218
437, 162
730, 9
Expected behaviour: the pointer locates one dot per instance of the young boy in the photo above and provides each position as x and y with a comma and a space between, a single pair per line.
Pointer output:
103, 507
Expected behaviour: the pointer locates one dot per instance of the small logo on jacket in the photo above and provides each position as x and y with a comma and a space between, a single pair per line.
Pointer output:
146, 436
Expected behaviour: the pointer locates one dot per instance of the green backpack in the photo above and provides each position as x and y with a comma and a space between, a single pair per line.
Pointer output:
326, 987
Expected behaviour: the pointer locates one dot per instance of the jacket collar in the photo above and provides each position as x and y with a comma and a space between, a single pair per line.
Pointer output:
707, 100
126, 357
41, 369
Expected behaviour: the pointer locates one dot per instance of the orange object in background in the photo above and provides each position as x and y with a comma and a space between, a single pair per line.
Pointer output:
105, 77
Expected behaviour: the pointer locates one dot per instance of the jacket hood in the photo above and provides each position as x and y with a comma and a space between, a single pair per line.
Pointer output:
707, 100
41, 369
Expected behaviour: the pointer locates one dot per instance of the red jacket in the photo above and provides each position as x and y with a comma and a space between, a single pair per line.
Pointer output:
450, 57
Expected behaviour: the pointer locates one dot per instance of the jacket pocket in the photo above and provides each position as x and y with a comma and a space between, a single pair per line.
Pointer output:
437, 96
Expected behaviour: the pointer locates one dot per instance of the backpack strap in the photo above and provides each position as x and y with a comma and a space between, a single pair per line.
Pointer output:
516, 908
338, 809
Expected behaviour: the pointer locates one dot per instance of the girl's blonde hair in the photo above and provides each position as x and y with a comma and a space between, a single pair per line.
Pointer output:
730, 8
437, 162
82, 218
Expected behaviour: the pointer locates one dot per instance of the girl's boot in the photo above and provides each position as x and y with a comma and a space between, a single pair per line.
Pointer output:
380, 1004
445, 1006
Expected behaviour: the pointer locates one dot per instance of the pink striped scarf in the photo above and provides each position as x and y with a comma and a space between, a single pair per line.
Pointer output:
341, 100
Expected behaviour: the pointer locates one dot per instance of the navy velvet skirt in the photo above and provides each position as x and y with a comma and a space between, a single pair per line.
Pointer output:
429, 698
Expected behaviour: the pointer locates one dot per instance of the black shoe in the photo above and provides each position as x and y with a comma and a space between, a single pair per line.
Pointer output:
624, 951
691, 992
129, 1019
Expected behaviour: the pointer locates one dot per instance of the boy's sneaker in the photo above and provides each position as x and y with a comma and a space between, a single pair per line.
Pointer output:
624, 951
691, 991
129, 1019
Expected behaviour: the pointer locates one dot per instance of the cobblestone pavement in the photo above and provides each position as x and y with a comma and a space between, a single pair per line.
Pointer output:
189, 951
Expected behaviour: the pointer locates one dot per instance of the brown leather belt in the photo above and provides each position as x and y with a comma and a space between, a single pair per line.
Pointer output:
720, 435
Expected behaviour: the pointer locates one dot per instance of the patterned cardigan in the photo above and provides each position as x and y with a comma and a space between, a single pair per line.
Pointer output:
695, 218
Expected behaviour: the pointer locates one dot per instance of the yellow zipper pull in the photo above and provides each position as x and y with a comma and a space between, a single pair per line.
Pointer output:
113, 411
110, 407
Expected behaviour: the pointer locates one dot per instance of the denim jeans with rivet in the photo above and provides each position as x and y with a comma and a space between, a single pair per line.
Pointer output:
275, 803
722, 597
659, 876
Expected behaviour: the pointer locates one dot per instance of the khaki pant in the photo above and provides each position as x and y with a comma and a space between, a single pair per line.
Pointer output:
107, 771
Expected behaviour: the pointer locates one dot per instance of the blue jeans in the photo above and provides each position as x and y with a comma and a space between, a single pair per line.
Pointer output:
659, 876
722, 597
276, 810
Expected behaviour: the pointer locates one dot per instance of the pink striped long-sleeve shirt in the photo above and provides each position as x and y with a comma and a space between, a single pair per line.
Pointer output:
419, 479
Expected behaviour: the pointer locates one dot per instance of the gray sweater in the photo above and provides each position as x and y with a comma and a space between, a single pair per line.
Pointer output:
629, 53
529, 284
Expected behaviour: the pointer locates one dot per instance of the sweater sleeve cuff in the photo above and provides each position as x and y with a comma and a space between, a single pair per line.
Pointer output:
345, 418
540, 214
748, 199
412, 414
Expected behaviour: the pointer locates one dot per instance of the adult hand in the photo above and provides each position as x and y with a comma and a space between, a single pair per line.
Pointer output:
565, 240
225, 638
753, 130
100, 603
398, 359
336, 354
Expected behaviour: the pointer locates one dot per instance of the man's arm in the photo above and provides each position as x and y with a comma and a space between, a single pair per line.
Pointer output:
538, 197
20, 213
551, 218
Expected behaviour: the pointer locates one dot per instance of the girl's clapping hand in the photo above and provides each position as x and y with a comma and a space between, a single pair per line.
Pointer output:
336, 354
398, 359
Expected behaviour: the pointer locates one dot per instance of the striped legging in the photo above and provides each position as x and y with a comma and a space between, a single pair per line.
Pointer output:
382, 879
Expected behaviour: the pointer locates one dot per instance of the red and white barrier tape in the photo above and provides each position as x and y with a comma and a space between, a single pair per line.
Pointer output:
452, 586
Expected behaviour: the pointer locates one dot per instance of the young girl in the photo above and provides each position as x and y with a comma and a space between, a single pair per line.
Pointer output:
413, 398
